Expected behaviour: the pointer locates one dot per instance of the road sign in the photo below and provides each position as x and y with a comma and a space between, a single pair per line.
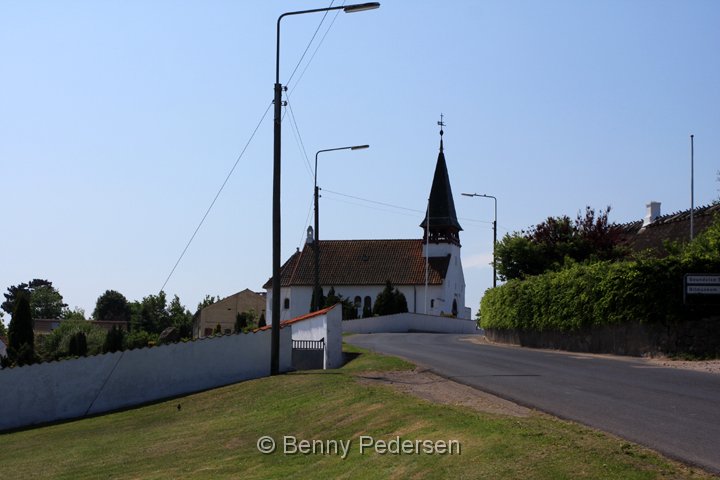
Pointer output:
702, 288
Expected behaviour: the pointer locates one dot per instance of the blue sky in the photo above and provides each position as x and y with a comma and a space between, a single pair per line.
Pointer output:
119, 121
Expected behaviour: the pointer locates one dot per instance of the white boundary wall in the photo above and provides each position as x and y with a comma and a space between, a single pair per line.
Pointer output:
410, 322
327, 326
68, 389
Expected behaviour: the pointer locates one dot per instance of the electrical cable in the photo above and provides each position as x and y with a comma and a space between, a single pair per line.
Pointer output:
216, 196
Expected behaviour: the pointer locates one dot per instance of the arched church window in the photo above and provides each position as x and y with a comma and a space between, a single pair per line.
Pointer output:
454, 308
286, 304
368, 303
432, 303
358, 301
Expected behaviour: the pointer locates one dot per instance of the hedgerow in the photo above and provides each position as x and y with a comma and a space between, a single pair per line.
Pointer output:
645, 290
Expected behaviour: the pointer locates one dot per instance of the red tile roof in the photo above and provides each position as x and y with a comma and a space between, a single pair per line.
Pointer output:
363, 262
298, 319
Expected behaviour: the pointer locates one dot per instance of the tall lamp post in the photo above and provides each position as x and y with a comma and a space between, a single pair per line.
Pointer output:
494, 232
275, 326
316, 241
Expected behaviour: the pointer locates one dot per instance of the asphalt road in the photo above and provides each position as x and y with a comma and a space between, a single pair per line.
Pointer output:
673, 411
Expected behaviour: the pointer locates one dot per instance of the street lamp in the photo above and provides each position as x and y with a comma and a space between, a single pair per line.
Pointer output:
275, 325
316, 242
494, 232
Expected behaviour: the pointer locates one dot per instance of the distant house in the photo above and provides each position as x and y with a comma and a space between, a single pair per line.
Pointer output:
428, 270
653, 231
225, 311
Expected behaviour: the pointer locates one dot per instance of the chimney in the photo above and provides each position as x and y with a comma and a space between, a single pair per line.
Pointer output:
653, 212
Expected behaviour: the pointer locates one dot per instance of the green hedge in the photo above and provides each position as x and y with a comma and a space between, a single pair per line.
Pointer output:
604, 293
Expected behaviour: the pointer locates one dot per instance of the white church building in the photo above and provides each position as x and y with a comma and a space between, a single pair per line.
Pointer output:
427, 270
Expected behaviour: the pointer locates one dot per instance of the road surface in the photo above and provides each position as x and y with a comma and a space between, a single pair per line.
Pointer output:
674, 411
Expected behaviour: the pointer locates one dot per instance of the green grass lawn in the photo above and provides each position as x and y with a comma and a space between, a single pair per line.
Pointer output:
214, 435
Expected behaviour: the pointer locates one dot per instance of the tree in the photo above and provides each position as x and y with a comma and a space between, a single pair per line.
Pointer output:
21, 348
45, 300
76, 313
180, 318
3, 329
78, 344
153, 316
114, 340
322, 300
349, 312
516, 256
207, 301
549, 245
112, 306
390, 301
262, 322
241, 322
600, 237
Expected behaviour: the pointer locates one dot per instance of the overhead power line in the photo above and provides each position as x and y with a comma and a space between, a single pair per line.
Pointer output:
227, 177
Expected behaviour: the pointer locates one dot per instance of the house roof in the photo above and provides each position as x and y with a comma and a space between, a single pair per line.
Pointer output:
301, 318
363, 262
441, 205
674, 227
240, 301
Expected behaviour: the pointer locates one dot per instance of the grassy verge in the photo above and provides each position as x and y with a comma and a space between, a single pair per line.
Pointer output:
214, 435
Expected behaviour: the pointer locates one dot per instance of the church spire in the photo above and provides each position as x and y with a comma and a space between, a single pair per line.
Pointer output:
444, 226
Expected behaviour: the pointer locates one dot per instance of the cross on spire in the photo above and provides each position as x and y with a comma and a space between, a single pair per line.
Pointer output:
442, 124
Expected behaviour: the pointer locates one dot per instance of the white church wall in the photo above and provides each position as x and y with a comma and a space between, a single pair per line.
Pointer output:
410, 322
454, 287
298, 297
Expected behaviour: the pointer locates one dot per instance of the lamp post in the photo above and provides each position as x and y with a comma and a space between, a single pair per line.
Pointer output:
494, 232
316, 241
275, 325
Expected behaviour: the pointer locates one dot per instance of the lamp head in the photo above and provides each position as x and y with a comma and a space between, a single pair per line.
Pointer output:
361, 7
359, 147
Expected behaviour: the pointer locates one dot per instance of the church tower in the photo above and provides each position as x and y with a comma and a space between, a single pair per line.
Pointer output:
441, 242
443, 227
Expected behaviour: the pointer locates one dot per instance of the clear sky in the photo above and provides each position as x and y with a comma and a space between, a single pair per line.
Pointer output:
119, 121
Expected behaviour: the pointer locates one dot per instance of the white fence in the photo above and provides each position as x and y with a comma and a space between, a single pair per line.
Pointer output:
410, 322
76, 388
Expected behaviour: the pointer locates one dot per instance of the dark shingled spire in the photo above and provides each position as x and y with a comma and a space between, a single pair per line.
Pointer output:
444, 225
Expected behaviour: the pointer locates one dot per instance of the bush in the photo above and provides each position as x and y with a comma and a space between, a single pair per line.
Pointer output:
648, 290
140, 339
56, 345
